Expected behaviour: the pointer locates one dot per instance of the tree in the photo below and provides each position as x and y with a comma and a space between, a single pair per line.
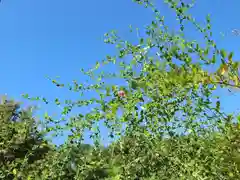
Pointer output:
22, 145
170, 127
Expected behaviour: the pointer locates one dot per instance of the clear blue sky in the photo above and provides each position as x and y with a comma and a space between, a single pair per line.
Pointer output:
58, 38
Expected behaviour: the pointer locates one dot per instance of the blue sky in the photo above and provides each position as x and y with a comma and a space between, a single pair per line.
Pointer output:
58, 38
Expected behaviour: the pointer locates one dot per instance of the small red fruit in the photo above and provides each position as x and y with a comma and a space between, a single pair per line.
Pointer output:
121, 93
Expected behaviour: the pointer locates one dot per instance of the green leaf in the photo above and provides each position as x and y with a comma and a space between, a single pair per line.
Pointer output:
223, 53
206, 51
214, 59
97, 65
133, 84
45, 100
57, 101
208, 18
230, 56
14, 171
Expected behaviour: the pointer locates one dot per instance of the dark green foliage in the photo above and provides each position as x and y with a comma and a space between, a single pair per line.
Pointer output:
22, 145
134, 156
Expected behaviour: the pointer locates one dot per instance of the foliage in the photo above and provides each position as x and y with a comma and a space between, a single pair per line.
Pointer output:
171, 126
22, 145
